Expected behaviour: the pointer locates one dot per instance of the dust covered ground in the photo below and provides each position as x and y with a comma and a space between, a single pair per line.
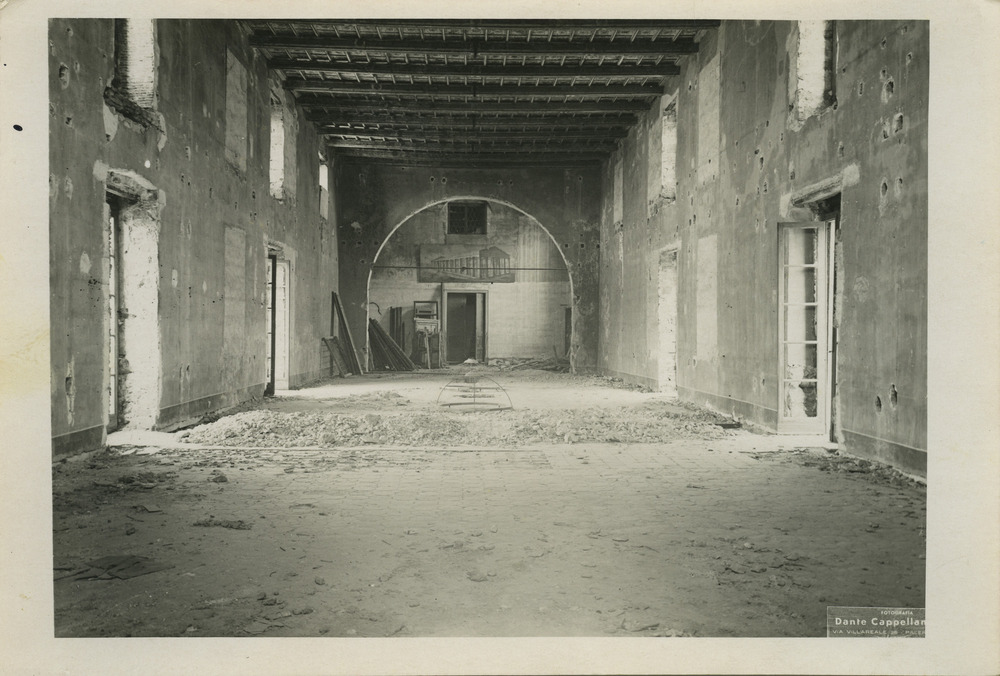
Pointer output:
365, 508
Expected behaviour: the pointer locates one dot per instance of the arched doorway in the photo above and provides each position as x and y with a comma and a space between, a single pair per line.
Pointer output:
486, 275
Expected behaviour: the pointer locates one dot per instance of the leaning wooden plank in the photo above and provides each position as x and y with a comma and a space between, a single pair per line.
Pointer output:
337, 365
352, 353
380, 358
346, 341
340, 356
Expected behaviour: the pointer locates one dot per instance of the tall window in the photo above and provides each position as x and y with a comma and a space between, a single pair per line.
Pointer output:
132, 90
466, 218
811, 85
277, 164
135, 60
324, 186
617, 206
668, 152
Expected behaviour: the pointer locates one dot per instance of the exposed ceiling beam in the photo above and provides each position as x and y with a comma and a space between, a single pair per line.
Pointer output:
388, 88
639, 46
525, 24
479, 146
330, 107
462, 70
513, 162
473, 159
392, 119
474, 135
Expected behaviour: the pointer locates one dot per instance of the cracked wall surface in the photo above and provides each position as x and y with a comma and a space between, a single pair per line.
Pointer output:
869, 144
209, 252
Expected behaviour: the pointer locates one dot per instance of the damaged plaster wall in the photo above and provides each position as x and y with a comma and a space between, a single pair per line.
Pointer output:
210, 247
871, 141
631, 250
373, 198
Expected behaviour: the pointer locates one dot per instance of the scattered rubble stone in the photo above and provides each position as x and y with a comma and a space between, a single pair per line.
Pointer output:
652, 422
224, 523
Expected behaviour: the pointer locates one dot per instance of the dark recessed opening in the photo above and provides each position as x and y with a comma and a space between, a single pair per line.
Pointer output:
466, 218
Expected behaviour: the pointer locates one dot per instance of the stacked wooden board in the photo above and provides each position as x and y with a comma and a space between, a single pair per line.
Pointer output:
386, 354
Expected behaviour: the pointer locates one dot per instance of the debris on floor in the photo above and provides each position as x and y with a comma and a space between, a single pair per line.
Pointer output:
122, 567
224, 523
553, 364
416, 520
653, 422
473, 391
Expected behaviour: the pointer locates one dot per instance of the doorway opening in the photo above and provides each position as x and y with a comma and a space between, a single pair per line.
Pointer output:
667, 315
277, 292
465, 326
808, 296
131, 272
113, 308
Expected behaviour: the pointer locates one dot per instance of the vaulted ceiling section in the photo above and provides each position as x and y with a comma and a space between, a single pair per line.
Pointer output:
476, 92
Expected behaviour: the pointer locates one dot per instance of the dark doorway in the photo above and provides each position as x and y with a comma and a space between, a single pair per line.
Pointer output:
114, 310
466, 326
272, 269
829, 210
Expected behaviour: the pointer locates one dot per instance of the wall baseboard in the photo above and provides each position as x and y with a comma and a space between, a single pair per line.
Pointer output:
905, 458
744, 411
179, 415
80, 441
630, 378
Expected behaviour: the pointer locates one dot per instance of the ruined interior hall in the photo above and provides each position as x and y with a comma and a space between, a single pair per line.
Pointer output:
668, 257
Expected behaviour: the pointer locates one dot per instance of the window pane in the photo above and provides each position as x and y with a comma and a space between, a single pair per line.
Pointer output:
800, 361
800, 399
800, 285
800, 323
467, 218
801, 246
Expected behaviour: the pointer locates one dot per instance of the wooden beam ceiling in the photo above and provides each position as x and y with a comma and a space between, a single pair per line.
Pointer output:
474, 158
642, 46
473, 135
473, 119
494, 92
479, 146
537, 25
447, 107
394, 89
460, 70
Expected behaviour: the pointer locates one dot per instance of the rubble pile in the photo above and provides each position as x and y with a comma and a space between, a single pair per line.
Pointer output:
643, 424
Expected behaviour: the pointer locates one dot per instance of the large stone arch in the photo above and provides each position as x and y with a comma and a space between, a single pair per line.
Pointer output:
492, 200
374, 199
